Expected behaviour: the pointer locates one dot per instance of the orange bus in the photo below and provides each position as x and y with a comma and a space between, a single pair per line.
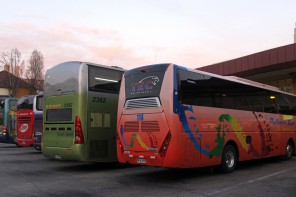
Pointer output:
171, 116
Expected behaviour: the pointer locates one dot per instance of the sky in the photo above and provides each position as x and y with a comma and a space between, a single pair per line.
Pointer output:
132, 33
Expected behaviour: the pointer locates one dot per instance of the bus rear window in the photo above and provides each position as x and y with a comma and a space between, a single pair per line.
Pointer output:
53, 115
25, 103
13, 105
144, 81
104, 80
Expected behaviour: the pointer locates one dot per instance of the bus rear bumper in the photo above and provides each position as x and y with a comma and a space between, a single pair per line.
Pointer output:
24, 142
73, 153
141, 159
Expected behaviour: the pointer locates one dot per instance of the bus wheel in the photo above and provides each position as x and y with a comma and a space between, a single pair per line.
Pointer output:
289, 151
229, 159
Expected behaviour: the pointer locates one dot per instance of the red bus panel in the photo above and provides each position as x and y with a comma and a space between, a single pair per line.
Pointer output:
25, 127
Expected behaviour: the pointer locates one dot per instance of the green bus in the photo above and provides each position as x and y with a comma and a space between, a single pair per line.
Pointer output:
80, 112
8, 120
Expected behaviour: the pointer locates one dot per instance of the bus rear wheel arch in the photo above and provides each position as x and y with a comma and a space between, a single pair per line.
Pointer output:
229, 158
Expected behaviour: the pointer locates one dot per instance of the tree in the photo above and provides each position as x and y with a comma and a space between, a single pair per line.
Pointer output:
12, 63
34, 72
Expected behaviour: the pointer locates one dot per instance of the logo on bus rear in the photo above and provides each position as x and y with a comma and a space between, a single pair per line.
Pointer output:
140, 117
24, 128
145, 85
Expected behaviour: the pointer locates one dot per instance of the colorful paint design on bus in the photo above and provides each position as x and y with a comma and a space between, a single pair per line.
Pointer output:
223, 129
137, 137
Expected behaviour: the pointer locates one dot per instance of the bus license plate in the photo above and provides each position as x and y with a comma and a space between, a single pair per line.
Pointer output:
141, 160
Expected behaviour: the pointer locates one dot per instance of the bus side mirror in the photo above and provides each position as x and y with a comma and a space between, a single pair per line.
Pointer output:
2, 104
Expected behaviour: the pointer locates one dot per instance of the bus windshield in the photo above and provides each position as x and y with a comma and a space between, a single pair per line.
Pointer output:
53, 115
144, 82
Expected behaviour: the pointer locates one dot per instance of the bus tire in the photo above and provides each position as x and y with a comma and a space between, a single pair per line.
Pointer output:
289, 151
229, 159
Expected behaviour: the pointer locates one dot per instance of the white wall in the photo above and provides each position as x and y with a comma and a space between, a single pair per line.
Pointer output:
4, 91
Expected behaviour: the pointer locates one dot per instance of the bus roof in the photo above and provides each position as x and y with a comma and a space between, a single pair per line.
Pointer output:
87, 63
103, 66
254, 83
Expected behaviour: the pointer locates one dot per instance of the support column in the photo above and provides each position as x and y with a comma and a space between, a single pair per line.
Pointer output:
294, 85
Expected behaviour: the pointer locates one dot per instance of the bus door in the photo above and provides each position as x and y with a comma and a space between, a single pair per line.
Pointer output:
103, 90
101, 135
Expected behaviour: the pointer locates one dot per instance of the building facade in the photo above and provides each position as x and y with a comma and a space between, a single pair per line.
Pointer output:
10, 84
276, 67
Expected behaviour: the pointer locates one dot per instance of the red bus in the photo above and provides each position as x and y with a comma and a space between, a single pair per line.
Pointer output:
29, 120
171, 116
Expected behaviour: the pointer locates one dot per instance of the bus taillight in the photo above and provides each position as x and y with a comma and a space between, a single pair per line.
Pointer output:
4, 130
165, 145
119, 143
79, 138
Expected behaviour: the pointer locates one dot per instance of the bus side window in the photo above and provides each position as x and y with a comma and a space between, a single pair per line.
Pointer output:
193, 89
39, 104
287, 104
256, 103
282, 105
270, 106
292, 100
202, 90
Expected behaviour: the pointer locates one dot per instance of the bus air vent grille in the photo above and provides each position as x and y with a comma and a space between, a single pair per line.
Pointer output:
152, 102
98, 149
150, 126
24, 120
131, 126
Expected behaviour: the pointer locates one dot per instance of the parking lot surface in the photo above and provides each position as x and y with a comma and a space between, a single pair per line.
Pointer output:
26, 172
